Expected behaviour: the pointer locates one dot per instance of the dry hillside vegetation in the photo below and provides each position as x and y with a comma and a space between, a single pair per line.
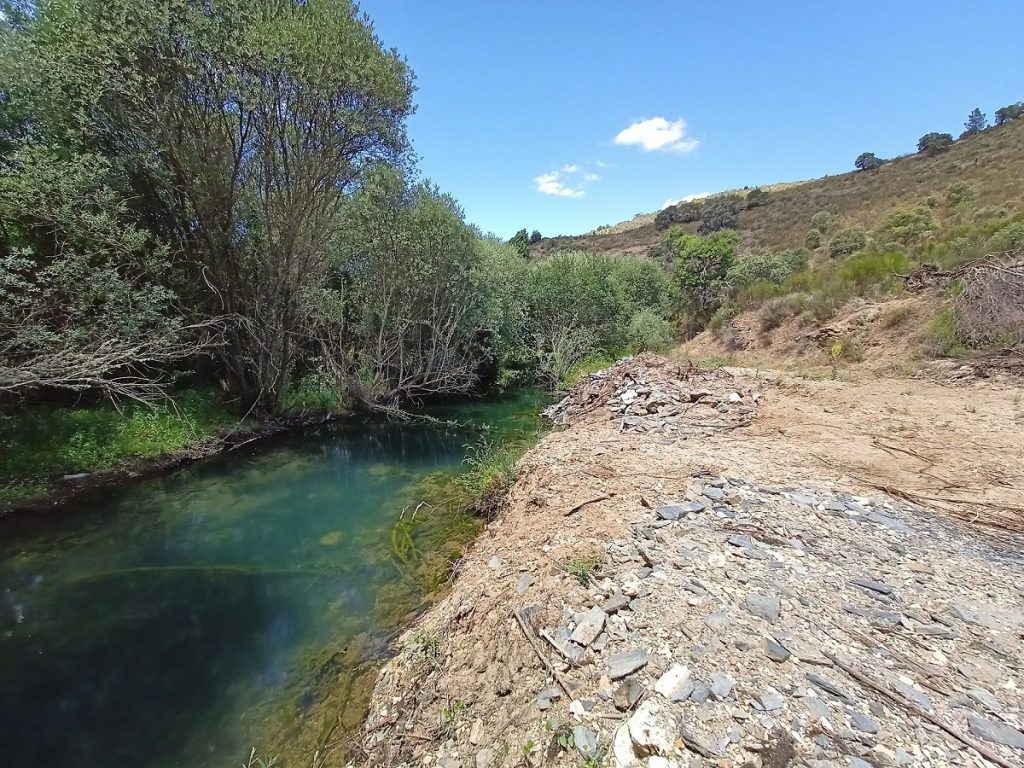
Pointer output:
992, 163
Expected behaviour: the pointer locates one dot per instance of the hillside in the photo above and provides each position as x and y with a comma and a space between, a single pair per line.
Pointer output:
992, 163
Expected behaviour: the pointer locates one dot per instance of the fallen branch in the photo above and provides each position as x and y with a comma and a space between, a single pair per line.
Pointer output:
536, 649
582, 504
952, 730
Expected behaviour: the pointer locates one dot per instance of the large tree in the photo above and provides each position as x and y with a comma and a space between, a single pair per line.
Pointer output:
976, 123
241, 128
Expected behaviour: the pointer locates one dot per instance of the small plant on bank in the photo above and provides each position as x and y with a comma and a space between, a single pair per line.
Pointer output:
450, 717
582, 568
834, 353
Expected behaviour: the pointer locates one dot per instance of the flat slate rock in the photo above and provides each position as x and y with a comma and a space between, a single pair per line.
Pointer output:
627, 694
768, 608
1000, 733
626, 663
588, 627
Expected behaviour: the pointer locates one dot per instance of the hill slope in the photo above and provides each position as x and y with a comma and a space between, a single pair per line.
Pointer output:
992, 163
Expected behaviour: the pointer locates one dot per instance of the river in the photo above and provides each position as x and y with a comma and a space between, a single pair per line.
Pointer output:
240, 602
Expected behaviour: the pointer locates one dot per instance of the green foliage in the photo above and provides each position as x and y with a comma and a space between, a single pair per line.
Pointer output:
775, 311
813, 239
584, 368
648, 331
582, 568
535, 237
865, 270
933, 143
1010, 113
824, 222
702, 267
41, 442
867, 161
722, 317
906, 226
772, 267
718, 213
520, 241
847, 241
315, 393
1008, 238
976, 123
960, 194
941, 337
582, 304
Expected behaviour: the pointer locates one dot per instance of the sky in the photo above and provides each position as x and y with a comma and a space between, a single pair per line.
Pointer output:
564, 115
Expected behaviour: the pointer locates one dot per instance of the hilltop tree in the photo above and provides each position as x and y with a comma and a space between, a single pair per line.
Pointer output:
1009, 113
867, 161
933, 143
681, 213
756, 197
535, 237
521, 242
976, 123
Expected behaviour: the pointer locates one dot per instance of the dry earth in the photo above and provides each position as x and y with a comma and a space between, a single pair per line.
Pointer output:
729, 569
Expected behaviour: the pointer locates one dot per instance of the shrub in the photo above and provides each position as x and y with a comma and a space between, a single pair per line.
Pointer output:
823, 221
847, 241
940, 335
1009, 113
647, 331
1008, 238
719, 213
813, 239
702, 268
959, 193
722, 317
681, 213
757, 197
866, 270
990, 308
906, 226
774, 312
897, 317
772, 267
314, 393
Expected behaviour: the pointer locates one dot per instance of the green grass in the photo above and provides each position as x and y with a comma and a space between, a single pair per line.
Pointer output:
582, 568
492, 466
942, 338
585, 367
40, 443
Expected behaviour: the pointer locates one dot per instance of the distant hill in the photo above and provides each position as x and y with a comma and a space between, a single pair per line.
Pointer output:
992, 163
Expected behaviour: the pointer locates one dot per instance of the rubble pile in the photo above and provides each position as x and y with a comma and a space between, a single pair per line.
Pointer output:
651, 395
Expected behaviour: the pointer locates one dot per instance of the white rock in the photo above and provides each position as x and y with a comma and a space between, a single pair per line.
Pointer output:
648, 735
476, 733
675, 683
622, 749
590, 626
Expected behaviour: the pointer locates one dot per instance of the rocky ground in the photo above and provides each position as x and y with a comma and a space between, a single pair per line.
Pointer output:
692, 573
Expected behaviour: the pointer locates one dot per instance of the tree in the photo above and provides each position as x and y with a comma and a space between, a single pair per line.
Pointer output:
718, 213
521, 242
702, 267
535, 237
680, 213
242, 129
1009, 113
976, 123
847, 241
867, 161
757, 197
933, 143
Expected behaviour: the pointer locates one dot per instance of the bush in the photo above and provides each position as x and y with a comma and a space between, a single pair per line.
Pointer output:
906, 226
722, 317
773, 267
647, 331
866, 270
823, 221
813, 239
959, 193
867, 161
941, 337
719, 213
702, 269
774, 312
847, 241
681, 213
757, 197
311, 394
1008, 238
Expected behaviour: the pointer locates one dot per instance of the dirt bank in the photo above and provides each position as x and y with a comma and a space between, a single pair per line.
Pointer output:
719, 569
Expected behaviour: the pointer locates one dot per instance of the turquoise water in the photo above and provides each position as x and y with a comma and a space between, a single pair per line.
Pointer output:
183, 619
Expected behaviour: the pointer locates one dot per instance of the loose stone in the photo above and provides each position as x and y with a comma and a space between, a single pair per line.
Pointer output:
626, 662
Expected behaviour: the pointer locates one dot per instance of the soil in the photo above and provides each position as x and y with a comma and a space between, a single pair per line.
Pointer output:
881, 519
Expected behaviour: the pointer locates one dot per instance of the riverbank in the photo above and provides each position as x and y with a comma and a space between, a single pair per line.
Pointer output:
779, 576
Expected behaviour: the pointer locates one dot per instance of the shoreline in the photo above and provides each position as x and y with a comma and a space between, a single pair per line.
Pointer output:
601, 619
67, 488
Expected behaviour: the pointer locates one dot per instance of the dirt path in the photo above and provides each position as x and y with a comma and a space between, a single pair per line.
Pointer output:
666, 586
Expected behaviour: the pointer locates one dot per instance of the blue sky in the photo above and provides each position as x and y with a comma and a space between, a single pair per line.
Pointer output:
560, 116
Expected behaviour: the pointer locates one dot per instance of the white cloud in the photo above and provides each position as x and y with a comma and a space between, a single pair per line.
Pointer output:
568, 181
656, 134
687, 199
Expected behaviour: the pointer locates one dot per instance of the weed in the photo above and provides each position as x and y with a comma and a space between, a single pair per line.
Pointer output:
897, 317
582, 568
941, 338
450, 716
258, 762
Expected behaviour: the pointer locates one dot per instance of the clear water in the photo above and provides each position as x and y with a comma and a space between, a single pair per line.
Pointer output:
182, 619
